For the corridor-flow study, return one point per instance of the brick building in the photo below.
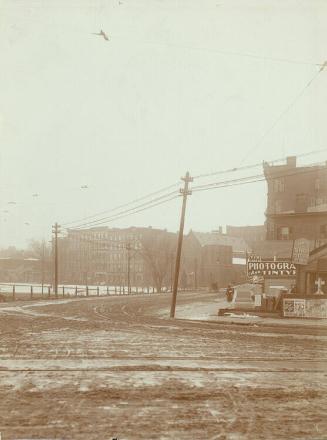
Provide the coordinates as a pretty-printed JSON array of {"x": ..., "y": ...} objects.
[
  {"x": 250, "y": 234},
  {"x": 296, "y": 202},
  {"x": 112, "y": 256},
  {"x": 209, "y": 258}
]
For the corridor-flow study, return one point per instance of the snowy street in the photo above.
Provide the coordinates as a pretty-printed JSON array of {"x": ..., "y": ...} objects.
[{"x": 99, "y": 368}]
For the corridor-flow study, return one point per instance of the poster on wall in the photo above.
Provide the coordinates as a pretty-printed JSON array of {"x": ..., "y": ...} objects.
[
  {"x": 316, "y": 308},
  {"x": 294, "y": 308},
  {"x": 301, "y": 251}
]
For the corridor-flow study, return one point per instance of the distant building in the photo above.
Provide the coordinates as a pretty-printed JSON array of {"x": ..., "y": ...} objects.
[
  {"x": 273, "y": 249},
  {"x": 212, "y": 258},
  {"x": 112, "y": 256},
  {"x": 297, "y": 202},
  {"x": 24, "y": 270},
  {"x": 250, "y": 234}
]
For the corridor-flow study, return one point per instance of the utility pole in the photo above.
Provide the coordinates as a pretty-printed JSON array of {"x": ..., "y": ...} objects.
[
  {"x": 186, "y": 192},
  {"x": 171, "y": 270},
  {"x": 128, "y": 248},
  {"x": 56, "y": 231}
]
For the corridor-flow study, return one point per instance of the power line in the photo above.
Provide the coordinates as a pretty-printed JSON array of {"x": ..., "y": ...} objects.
[
  {"x": 188, "y": 46},
  {"x": 95, "y": 222},
  {"x": 251, "y": 179},
  {"x": 206, "y": 187},
  {"x": 129, "y": 212},
  {"x": 225, "y": 52},
  {"x": 246, "y": 167},
  {"x": 283, "y": 113},
  {"x": 123, "y": 205},
  {"x": 151, "y": 203}
]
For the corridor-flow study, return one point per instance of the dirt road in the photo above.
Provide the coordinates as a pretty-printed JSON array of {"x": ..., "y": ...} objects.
[{"x": 103, "y": 368}]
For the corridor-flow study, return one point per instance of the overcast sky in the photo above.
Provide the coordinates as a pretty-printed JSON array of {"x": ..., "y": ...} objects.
[{"x": 180, "y": 85}]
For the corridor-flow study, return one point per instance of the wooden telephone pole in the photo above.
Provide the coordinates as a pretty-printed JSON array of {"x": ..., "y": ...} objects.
[
  {"x": 186, "y": 192},
  {"x": 128, "y": 248},
  {"x": 55, "y": 232}
]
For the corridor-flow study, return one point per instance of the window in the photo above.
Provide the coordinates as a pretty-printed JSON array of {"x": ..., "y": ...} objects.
[
  {"x": 323, "y": 231},
  {"x": 278, "y": 206},
  {"x": 284, "y": 233},
  {"x": 301, "y": 202},
  {"x": 317, "y": 184},
  {"x": 278, "y": 185}
]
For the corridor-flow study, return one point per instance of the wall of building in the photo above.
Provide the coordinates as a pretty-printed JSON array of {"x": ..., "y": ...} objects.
[
  {"x": 296, "y": 201},
  {"x": 312, "y": 226},
  {"x": 308, "y": 274},
  {"x": 250, "y": 234},
  {"x": 20, "y": 270},
  {"x": 206, "y": 265},
  {"x": 110, "y": 256}
]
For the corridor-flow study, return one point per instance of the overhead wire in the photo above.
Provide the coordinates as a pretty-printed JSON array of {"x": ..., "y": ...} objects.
[
  {"x": 221, "y": 51},
  {"x": 123, "y": 205},
  {"x": 95, "y": 12},
  {"x": 126, "y": 213},
  {"x": 246, "y": 167},
  {"x": 283, "y": 113},
  {"x": 166, "y": 197},
  {"x": 214, "y": 185},
  {"x": 253, "y": 179}
]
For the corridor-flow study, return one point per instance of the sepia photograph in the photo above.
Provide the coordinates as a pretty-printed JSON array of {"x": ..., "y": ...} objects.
[{"x": 163, "y": 220}]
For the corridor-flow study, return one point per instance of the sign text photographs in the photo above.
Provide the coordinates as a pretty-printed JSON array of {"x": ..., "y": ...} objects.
[{"x": 271, "y": 268}]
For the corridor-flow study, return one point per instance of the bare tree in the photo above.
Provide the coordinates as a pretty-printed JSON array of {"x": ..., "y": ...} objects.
[
  {"x": 12, "y": 252},
  {"x": 42, "y": 251},
  {"x": 157, "y": 251}
]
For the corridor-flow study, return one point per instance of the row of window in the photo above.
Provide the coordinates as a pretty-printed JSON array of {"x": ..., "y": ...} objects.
[
  {"x": 286, "y": 232},
  {"x": 108, "y": 236},
  {"x": 278, "y": 185},
  {"x": 113, "y": 268},
  {"x": 105, "y": 246},
  {"x": 302, "y": 202}
]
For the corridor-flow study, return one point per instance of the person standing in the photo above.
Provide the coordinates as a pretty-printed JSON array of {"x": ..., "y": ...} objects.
[{"x": 230, "y": 293}]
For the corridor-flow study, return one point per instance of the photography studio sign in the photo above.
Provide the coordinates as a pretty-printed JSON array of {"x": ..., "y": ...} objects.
[{"x": 271, "y": 268}]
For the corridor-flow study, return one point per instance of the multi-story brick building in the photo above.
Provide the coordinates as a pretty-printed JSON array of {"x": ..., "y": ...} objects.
[
  {"x": 146, "y": 257},
  {"x": 296, "y": 202},
  {"x": 115, "y": 256}
]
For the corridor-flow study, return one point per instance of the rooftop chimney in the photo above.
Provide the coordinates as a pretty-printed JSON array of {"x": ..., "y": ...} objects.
[{"x": 291, "y": 161}]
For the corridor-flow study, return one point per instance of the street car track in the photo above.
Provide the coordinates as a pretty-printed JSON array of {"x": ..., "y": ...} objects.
[
  {"x": 122, "y": 366},
  {"x": 141, "y": 319}
]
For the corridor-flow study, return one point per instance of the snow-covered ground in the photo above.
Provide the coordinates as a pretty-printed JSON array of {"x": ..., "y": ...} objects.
[{"x": 96, "y": 368}]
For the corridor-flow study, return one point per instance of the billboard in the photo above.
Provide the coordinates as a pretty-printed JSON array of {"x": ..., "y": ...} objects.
[{"x": 261, "y": 268}]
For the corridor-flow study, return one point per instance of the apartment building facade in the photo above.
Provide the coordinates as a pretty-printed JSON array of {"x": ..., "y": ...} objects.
[
  {"x": 296, "y": 202},
  {"x": 116, "y": 256}
]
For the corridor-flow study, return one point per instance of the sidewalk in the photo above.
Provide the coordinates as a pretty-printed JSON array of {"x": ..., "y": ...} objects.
[{"x": 208, "y": 311}]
